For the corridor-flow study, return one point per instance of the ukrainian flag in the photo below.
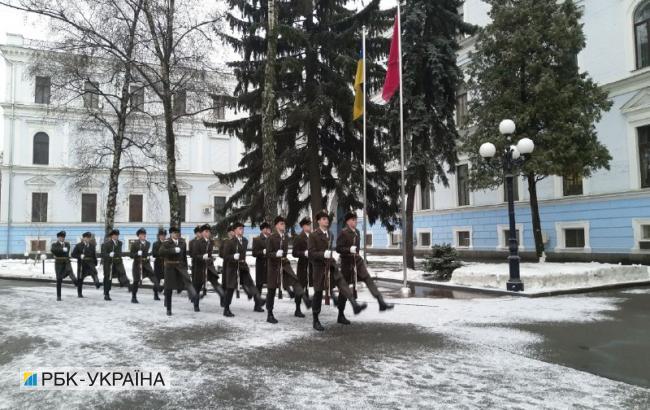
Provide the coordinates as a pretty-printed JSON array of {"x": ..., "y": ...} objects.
[{"x": 358, "y": 89}]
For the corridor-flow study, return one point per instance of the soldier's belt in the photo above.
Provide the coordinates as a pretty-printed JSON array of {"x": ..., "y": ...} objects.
[
  {"x": 172, "y": 262},
  {"x": 62, "y": 258}
]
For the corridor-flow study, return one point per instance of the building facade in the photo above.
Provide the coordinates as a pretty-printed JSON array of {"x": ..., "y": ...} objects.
[
  {"x": 605, "y": 217},
  {"x": 37, "y": 143}
]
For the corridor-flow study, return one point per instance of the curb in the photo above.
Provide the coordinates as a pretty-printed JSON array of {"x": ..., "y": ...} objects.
[{"x": 498, "y": 292}]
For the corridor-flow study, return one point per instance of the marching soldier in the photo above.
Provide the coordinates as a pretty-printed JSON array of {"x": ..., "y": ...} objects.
[
  {"x": 301, "y": 252},
  {"x": 231, "y": 234},
  {"x": 141, "y": 267},
  {"x": 279, "y": 271},
  {"x": 86, "y": 256},
  {"x": 174, "y": 250},
  {"x": 158, "y": 265},
  {"x": 61, "y": 251},
  {"x": 236, "y": 272},
  {"x": 259, "y": 252},
  {"x": 113, "y": 264},
  {"x": 353, "y": 267},
  {"x": 326, "y": 272},
  {"x": 203, "y": 265}
]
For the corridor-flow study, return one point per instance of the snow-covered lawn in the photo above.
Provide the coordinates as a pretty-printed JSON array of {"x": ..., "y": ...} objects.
[{"x": 426, "y": 353}]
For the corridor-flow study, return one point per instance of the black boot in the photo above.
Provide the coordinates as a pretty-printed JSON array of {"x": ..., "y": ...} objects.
[
  {"x": 79, "y": 291},
  {"x": 342, "y": 319},
  {"x": 270, "y": 318},
  {"x": 383, "y": 306},
  {"x": 134, "y": 298},
  {"x": 317, "y": 325},
  {"x": 168, "y": 301},
  {"x": 196, "y": 304},
  {"x": 155, "y": 296},
  {"x": 270, "y": 300},
  {"x": 107, "y": 297},
  {"x": 298, "y": 312},
  {"x": 227, "y": 312},
  {"x": 358, "y": 307}
]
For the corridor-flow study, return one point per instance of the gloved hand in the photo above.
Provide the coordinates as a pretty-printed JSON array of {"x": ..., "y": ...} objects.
[
  {"x": 236, "y": 256},
  {"x": 65, "y": 249},
  {"x": 177, "y": 249},
  {"x": 279, "y": 253},
  {"x": 353, "y": 249},
  {"x": 111, "y": 254},
  {"x": 139, "y": 253},
  {"x": 152, "y": 259},
  {"x": 335, "y": 255},
  {"x": 327, "y": 254},
  {"x": 205, "y": 256},
  {"x": 263, "y": 251},
  {"x": 306, "y": 254}
]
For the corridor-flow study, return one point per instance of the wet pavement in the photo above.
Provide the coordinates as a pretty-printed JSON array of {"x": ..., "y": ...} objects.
[{"x": 443, "y": 349}]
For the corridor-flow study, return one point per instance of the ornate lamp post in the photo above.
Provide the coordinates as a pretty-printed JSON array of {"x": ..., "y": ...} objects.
[{"x": 513, "y": 157}]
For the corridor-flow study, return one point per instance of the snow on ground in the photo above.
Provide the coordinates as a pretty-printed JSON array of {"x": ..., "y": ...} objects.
[{"x": 433, "y": 353}]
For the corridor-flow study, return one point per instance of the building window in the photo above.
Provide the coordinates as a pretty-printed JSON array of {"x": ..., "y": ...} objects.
[
  {"x": 506, "y": 238},
  {"x": 137, "y": 97},
  {"x": 219, "y": 203},
  {"x": 644, "y": 241},
  {"x": 461, "y": 109},
  {"x": 41, "y": 149},
  {"x": 515, "y": 190},
  {"x": 572, "y": 185},
  {"x": 39, "y": 206},
  {"x": 182, "y": 202},
  {"x": 88, "y": 207},
  {"x": 135, "y": 208},
  {"x": 424, "y": 239},
  {"x": 425, "y": 197},
  {"x": 641, "y": 32},
  {"x": 462, "y": 184},
  {"x": 463, "y": 239},
  {"x": 644, "y": 155},
  {"x": 42, "y": 90},
  {"x": 395, "y": 238},
  {"x": 219, "y": 107},
  {"x": 369, "y": 240},
  {"x": 91, "y": 94},
  {"x": 574, "y": 238},
  {"x": 180, "y": 103}
]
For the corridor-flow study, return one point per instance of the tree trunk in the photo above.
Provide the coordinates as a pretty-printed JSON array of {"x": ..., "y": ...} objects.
[
  {"x": 113, "y": 187},
  {"x": 269, "y": 171},
  {"x": 170, "y": 148},
  {"x": 311, "y": 124},
  {"x": 534, "y": 213},
  {"x": 407, "y": 229}
]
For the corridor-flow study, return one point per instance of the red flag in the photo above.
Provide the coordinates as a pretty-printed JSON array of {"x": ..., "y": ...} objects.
[{"x": 391, "y": 83}]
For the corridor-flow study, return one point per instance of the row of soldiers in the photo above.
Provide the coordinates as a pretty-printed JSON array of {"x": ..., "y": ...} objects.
[{"x": 318, "y": 266}]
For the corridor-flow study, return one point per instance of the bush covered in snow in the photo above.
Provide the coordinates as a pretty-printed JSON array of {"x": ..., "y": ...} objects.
[{"x": 441, "y": 262}]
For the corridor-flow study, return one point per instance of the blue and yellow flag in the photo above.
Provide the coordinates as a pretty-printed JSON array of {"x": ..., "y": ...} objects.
[{"x": 358, "y": 89}]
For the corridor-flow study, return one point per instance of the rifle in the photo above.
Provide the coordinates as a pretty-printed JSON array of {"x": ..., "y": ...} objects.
[
  {"x": 205, "y": 272},
  {"x": 141, "y": 266},
  {"x": 327, "y": 272},
  {"x": 354, "y": 284},
  {"x": 237, "y": 288},
  {"x": 280, "y": 273}
]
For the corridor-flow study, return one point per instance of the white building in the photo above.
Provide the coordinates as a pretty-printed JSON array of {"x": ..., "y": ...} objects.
[{"x": 37, "y": 145}]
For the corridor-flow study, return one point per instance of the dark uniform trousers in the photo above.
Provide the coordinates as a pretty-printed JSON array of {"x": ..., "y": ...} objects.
[
  {"x": 280, "y": 274},
  {"x": 237, "y": 271},
  {"x": 352, "y": 264},
  {"x": 319, "y": 242},
  {"x": 142, "y": 267},
  {"x": 62, "y": 265},
  {"x": 86, "y": 264},
  {"x": 176, "y": 276},
  {"x": 204, "y": 269},
  {"x": 259, "y": 245},
  {"x": 113, "y": 266},
  {"x": 304, "y": 268}
]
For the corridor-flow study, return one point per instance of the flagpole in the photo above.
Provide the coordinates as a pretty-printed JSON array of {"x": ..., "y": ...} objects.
[
  {"x": 365, "y": 210},
  {"x": 405, "y": 289}
]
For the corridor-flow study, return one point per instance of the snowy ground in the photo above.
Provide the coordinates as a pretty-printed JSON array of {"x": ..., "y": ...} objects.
[{"x": 433, "y": 353}]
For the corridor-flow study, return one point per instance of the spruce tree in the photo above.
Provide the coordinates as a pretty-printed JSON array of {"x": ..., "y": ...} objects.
[
  {"x": 431, "y": 77},
  {"x": 318, "y": 146},
  {"x": 526, "y": 68}
]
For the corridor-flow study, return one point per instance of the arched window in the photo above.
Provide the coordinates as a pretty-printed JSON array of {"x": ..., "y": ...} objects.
[
  {"x": 642, "y": 34},
  {"x": 41, "y": 149}
]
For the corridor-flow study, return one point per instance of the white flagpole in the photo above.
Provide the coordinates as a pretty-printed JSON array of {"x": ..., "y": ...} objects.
[
  {"x": 365, "y": 214},
  {"x": 405, "y": 289}
]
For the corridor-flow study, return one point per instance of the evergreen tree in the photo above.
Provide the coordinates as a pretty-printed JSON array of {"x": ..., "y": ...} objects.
[
  {"x": 317, "y": 145},
  {"x": 525, "y": 68},
  {"x": 431, "y": 77}
]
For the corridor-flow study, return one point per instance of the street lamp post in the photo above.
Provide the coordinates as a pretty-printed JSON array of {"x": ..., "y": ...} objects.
[{"x": 513, "y": 157}]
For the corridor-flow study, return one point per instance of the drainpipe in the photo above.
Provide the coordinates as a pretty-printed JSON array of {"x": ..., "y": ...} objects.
[{"x": 11, "y": 150}]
